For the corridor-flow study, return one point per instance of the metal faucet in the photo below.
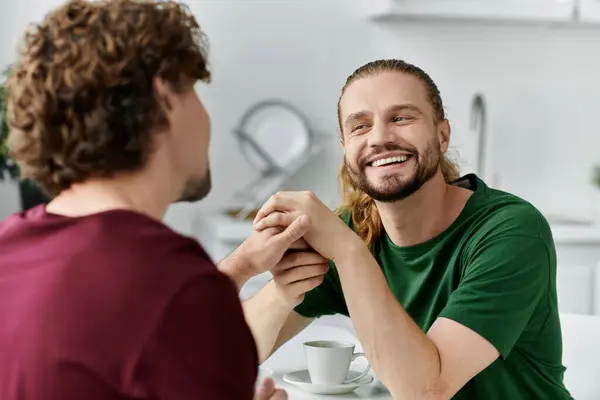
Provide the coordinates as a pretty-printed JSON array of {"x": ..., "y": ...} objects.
[{"x": 479, "y": 124}]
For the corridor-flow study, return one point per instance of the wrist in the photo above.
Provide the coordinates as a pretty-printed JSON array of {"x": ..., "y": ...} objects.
[
  {"x": 237, "y": 268},
  {"x": 350, "y": 248},
  {"x": 277, "y": 302}
]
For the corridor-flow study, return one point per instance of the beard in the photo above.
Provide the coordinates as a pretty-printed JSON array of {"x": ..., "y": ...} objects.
[
  {"x": 196, "y": 190},
  {"x": 392, "y": 187}
]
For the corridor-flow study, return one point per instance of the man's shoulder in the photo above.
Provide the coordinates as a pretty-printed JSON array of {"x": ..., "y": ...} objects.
[
  {"x": 144, "y": 251},
  {"x": 507, "y": 214},
  {"x": 137, "y": 237},
  {"x": 123, "y": 259}
]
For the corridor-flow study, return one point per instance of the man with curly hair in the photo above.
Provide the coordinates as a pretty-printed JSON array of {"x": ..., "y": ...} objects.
[{"x": 99, "y": 299}]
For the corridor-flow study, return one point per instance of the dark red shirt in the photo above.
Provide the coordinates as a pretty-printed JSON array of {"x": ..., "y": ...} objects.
[{"x": 116, "y": 306}]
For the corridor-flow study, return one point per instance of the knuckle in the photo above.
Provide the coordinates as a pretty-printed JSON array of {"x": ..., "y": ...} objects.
[
  {"x": 277, "y": 217},
  {"x": 308, "y": 220}
]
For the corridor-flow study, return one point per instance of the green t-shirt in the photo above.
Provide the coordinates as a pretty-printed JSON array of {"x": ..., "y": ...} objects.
[{"x": 494, "y": 271}]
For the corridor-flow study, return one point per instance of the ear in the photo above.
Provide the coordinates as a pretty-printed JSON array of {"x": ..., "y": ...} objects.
[
  {"x": 444, "y": 135},
  {"x": 164, "y": 94}
]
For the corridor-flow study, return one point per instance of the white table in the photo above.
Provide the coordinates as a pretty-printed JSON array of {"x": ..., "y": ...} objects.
[{"x": 290, "y": 358}]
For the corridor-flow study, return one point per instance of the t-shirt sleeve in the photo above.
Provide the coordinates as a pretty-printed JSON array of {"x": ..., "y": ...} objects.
[
  {"x": 203, "y": 348},
  {"x": 504, "y": 281},
  {"x": 325, "y": 299}
]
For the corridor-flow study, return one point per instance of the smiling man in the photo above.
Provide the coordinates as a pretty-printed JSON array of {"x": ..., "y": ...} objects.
[{"x": 450, "y": 284}]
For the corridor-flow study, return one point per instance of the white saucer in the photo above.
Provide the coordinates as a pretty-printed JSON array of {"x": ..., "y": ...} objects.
[{"x": 302, "y": 380}]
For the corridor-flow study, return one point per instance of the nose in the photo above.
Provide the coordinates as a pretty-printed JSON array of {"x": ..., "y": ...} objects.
[{"x": 380, "y": 135}]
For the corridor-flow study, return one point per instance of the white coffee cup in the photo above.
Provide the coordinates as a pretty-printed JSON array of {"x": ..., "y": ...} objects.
[{"x": 329, "y": 361}]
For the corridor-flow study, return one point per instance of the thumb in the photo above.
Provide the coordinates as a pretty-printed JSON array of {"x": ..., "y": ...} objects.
[
  {"x": 266, "y": 390},
  {"x": 294, "y": 231}
]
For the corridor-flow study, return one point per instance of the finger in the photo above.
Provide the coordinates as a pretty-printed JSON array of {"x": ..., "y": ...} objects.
[
  {"x": 300, "y": 244},
  {"x": 296, "y": 258},
  {"x": 299, "y": 288},
  {"x": 280, "y": 394},
  {"x": 293, "y": 232},
  {"x": 276, "y": 219},
  {"x": 277, "y": 202},
  {"x": 266, "y": 390},
  {"x": 301, "y": 273},
  {"x": 273, "y": 231}
]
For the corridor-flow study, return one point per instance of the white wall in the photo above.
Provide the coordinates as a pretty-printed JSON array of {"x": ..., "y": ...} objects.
[{"x": 541, "y": 84}]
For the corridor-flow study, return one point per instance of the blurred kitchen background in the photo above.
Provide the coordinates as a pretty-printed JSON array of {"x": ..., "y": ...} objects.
[{"x": 520, "y": 80}]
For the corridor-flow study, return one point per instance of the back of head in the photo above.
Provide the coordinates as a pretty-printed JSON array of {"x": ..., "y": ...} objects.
[
  {"x": 81, "y": 102},
  {"x": 362, "y": 207}
]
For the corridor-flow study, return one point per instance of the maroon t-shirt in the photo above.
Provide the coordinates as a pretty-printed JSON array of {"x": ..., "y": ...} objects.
[{"x": 116, "y": 306}]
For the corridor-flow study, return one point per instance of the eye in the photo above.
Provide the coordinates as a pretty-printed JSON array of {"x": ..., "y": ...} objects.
[
  {"x": 358, "y": 127},
  {"x": 401, "y": 119}
]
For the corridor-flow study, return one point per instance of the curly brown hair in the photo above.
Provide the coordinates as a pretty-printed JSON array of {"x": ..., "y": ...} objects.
[{"x": 81, "y": 100}]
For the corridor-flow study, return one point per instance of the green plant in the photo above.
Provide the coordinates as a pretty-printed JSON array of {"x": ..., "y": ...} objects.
[{"x": 596, "y": 176}]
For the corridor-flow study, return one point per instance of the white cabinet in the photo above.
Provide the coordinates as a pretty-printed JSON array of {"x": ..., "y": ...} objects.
[
  {"x": 510, "y": 10},
  {"x": 589, "y": 10}
]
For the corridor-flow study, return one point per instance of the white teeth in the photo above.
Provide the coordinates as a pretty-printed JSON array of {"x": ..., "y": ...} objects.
[{"x": 389, "y": 160}]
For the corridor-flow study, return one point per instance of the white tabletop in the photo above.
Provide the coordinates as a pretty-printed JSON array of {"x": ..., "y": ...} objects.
[{"x": 290, "y": 358}]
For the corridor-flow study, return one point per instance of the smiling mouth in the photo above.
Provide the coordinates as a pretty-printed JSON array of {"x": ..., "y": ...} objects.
[{"x": 389, "y": 161}]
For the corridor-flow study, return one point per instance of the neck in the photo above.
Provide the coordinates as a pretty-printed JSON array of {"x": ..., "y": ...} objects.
[
  {"x": 425, "y": 214},
  {"x": 149, "y": 192}
]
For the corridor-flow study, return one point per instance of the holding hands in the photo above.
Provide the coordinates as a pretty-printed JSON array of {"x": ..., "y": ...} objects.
[
  {"x": 326, "y": 233},
  {"x": 294, "y": 236},
  {"x": 264, "y": 249}
]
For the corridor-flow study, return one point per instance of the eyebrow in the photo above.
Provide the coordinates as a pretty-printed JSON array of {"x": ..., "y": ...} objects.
[
  {"x": 403, "y": 107},
  {"x": 391, "y": 109},
  {"x": 355, "y": 117}
]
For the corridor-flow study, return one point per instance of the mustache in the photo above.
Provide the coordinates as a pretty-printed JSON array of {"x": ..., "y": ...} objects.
[{"x": 362, "y": 161}]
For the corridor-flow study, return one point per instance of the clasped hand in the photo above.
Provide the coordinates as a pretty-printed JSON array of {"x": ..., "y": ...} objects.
[{"x": 324, "y": 231}]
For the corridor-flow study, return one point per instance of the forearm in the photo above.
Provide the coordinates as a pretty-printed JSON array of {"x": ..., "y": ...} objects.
[
  {"x": 405, "y": 359},
  {"x": 266, "y": 314}
]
